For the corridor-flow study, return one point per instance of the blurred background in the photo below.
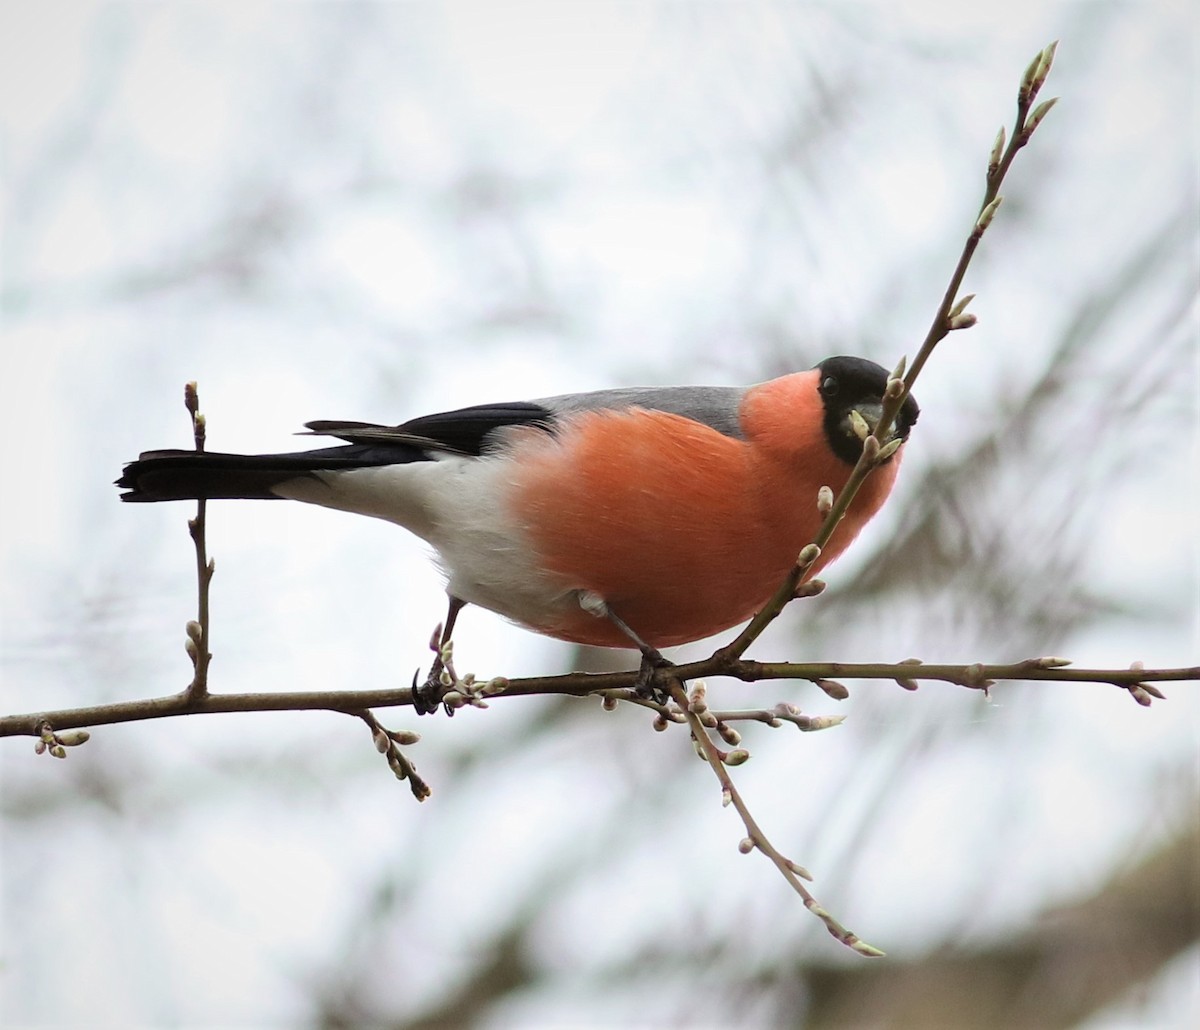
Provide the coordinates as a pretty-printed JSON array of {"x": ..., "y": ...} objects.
[{"x": 373, "y": 211}]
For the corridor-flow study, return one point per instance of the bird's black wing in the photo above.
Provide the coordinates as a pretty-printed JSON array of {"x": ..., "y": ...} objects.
[{"x": 469, "y": 431}]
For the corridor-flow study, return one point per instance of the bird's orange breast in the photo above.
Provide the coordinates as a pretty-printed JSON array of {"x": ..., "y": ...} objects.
[{"x": 683, "y": 531}]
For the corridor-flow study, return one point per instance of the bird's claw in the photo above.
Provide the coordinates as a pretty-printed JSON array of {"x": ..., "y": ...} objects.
[
  {"x": 428, "y": 695},
  {"x": 644, "y": 686}
]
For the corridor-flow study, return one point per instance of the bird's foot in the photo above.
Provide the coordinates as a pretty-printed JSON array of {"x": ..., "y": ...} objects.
[
  {"x": 428, "y": 695},
  {"x": 644, "y": 686}
]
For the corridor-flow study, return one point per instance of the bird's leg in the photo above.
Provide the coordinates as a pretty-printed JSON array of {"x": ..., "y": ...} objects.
[
  {"x": 652, "y": 658},
  {"x": 427, "y": 695}
]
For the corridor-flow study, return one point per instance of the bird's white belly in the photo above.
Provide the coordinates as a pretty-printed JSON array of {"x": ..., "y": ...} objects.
[{"x": 457, "y": 504}]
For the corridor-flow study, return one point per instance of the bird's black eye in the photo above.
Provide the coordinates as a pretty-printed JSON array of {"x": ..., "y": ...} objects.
[{"x": 829, "y": 386}]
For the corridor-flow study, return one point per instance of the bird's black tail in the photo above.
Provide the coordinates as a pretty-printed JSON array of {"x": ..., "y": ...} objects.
[{"x": 192, "y": 475}]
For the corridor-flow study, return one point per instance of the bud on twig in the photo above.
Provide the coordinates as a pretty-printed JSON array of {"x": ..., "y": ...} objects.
[
  {"x": 810, "y": 588},
  {"x": 822, "y": 722},
  {"x": 1035, "y": 75},
  {"x": 73, "y": 738},
  {"x": 799, "y": 870},
  {"x": 859, "y": 424},
  {"x": 729, "y": 734},
  {"x": 1051, "y": 662},
  {"x": 888, "y": 449},
  {"x": 745, "y": 845},
  {"x": 960, "y": 306},
  {"x": 986, "y": 216},
  {"x": 833, "y": 688},
  {"x": 808, "y": 555},
  {"x": 404, "y": 737},
  {"x": 824, "y": 500},
  {"x": 1045, "y": 63},
  {"x": 997, "y": 153},
  {"x": 1035, "y": 119}
]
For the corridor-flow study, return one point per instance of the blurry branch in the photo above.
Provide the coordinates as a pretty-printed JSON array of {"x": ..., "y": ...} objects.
[{"x": 1078, "y": 959}]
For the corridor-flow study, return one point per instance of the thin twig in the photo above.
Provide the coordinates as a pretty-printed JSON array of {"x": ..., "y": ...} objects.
[
  {"x": 950, "y": 315},
  {"x": 386, "y": 743},
  {"x": 198, "y": 630},
  {"x": 755, "y": 838}
]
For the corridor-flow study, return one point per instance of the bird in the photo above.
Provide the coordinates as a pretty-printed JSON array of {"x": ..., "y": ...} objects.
[{"x": 631, "y": 517}]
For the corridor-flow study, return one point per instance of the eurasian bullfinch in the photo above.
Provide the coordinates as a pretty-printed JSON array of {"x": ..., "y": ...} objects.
[{"x": 677, "y": 511}]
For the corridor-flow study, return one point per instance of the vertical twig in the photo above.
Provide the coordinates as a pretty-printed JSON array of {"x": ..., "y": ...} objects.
[{"x": 197, "y": 644}]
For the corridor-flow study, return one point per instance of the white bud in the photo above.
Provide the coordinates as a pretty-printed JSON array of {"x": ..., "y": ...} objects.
[
  {"x": 986, "y": 215},
  {"x": 808, "y": 555}
]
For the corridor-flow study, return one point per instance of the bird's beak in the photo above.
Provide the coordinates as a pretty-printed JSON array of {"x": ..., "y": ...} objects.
[{"x": 870, "y": 411}]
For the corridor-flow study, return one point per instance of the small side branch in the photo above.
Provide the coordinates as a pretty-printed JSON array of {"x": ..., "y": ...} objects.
[
  {"x": 698, "y": 716},
  {"x": 387, "y": 743},
  {"x": 197, "y": 630}
]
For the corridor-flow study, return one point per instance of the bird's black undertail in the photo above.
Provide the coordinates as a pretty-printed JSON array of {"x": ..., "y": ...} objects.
[{"x": 192, "y": 475}]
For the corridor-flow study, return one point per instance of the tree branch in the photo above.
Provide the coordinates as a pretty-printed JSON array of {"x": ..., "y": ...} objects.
[{"x": 976, "y": 675}]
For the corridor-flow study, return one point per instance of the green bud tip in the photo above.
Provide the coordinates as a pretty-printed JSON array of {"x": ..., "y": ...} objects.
[
  {"x": 961, "y": 305},
  {"x": 889, "y": 448},
  {"x": 987, "y": 214}
]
